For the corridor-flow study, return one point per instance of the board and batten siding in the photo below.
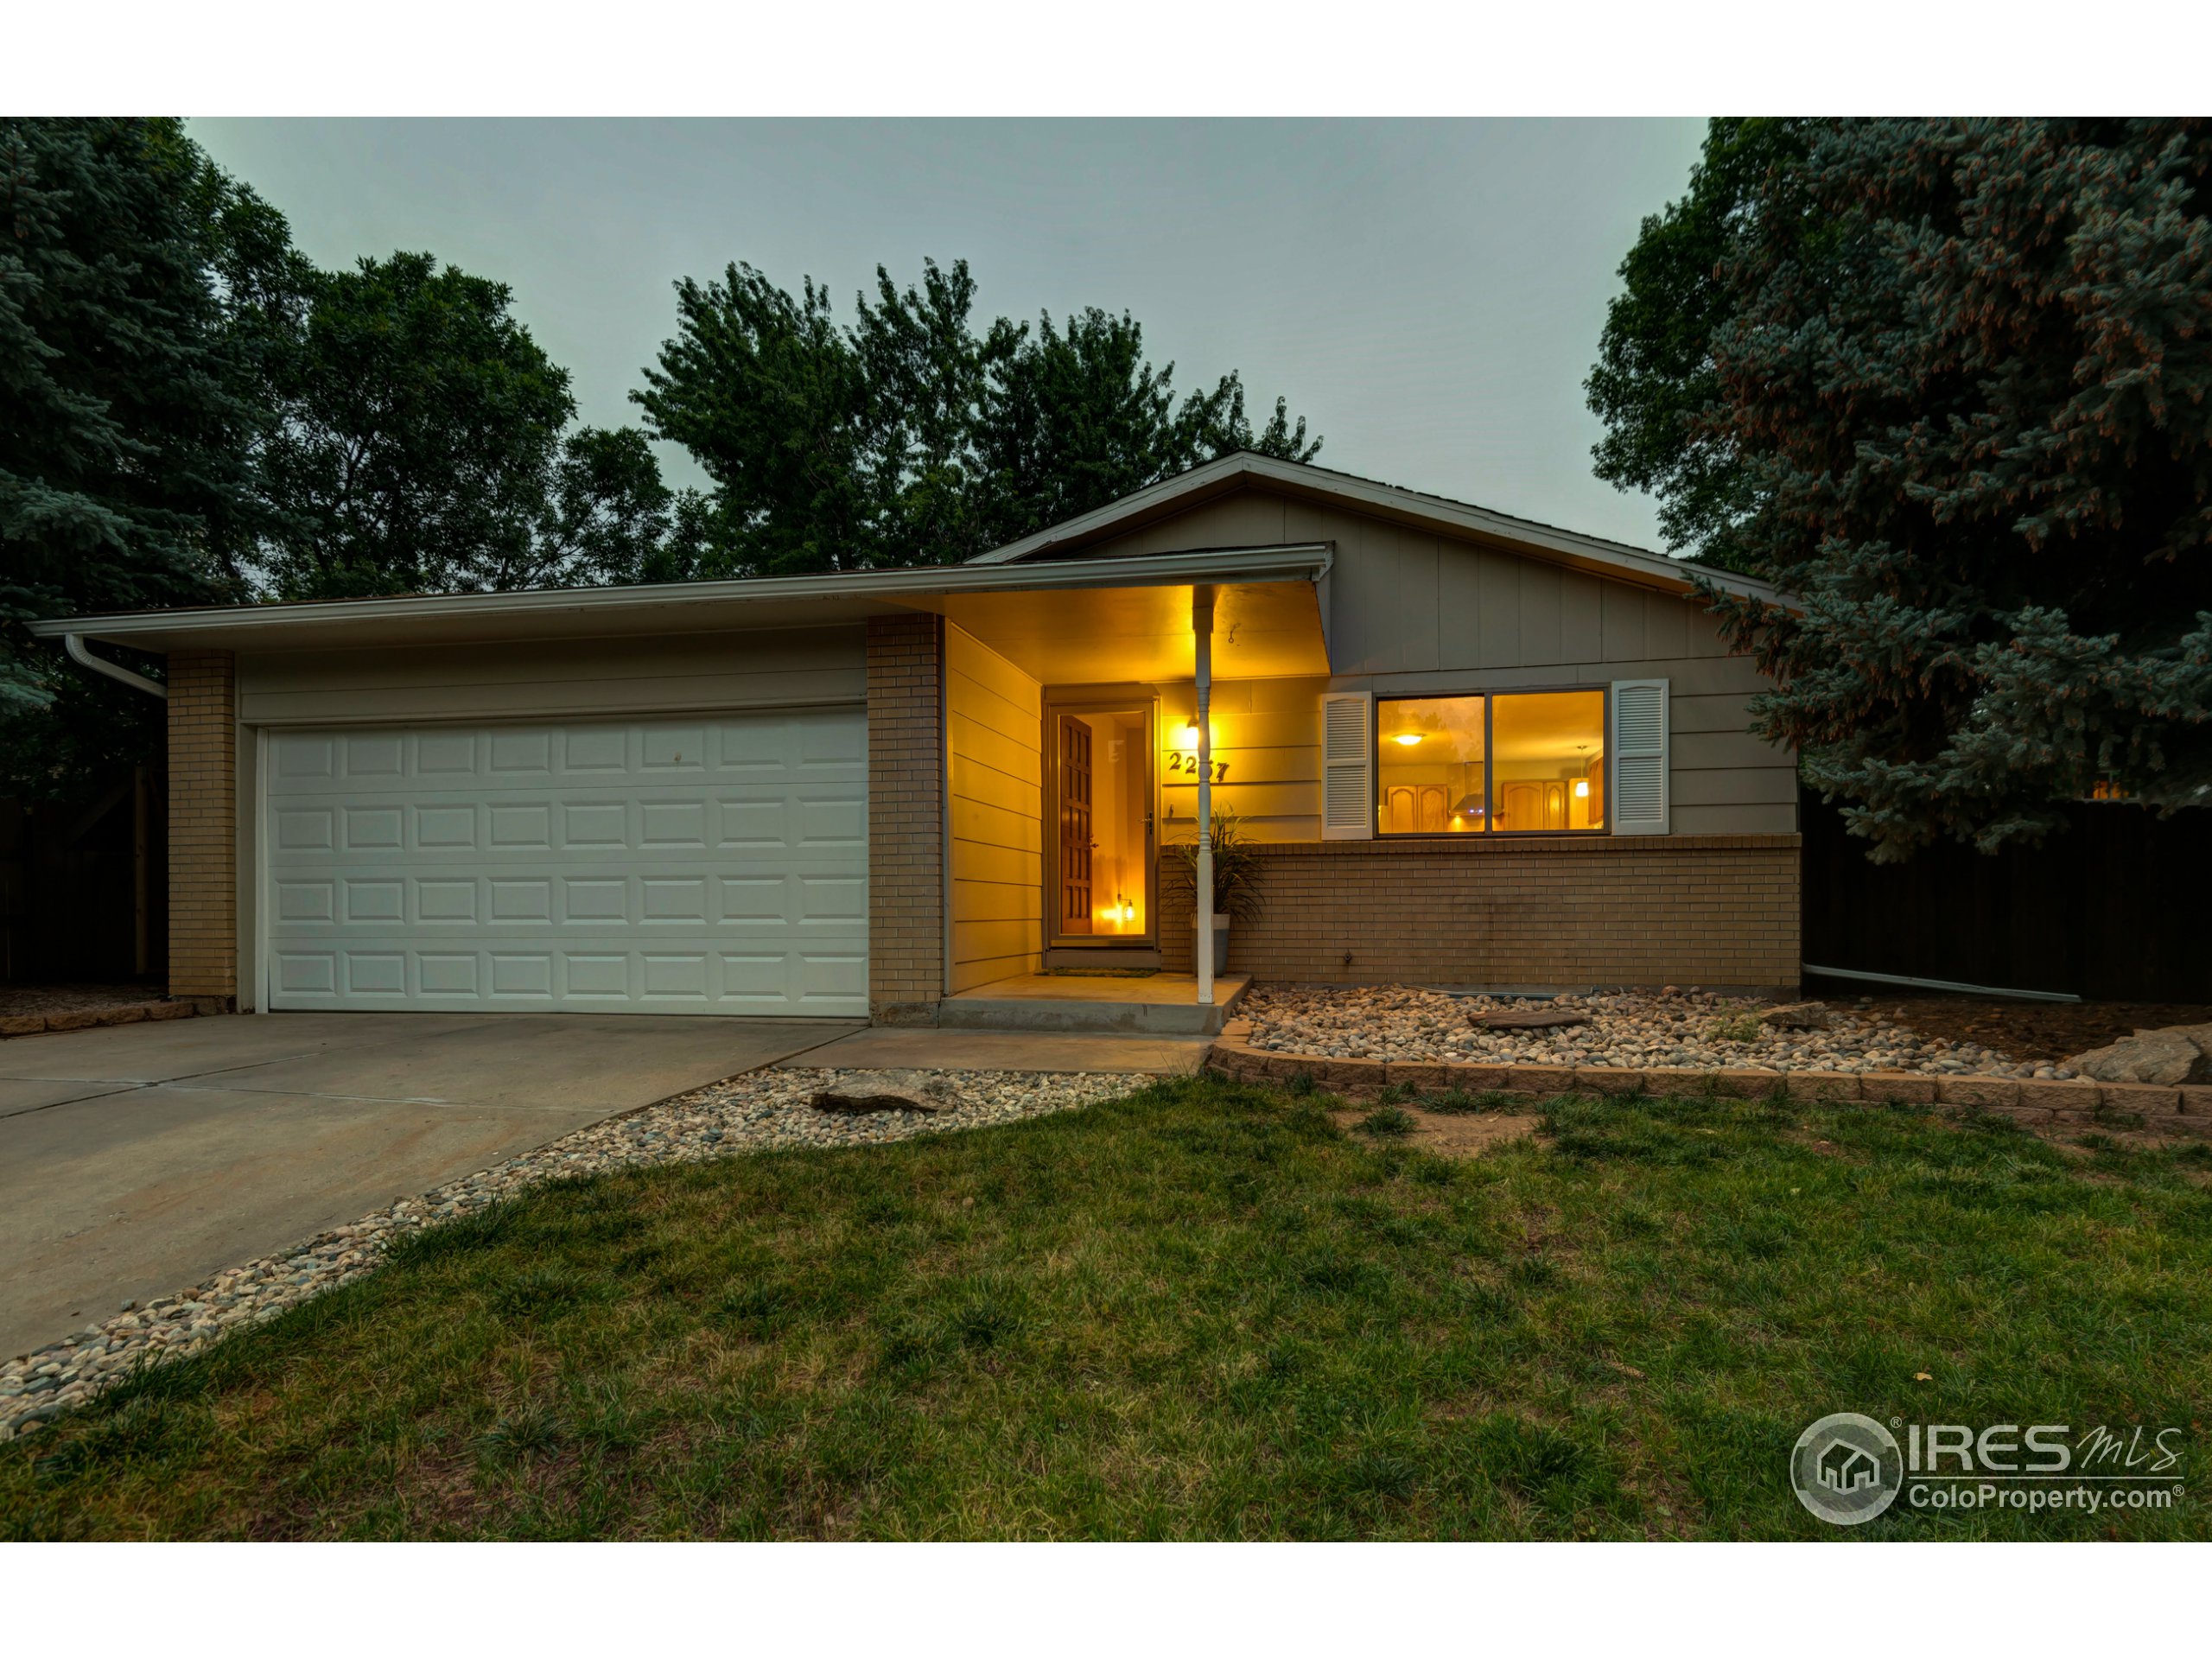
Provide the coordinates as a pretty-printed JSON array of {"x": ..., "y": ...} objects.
[
  {"x": 995, "y": 716},
  {"x": 1414, "y": 613}
]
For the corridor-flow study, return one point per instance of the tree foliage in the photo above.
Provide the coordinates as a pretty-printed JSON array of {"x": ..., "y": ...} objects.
[
  {"x": 911, "y": 436},
  {"x": 1656, "y": 385},
  {"x": 190, "y": 412},
  {"x": 418, "y": 442},
  {"x": 1953, "y": 398},
  {"x": 123, "y": 478}
]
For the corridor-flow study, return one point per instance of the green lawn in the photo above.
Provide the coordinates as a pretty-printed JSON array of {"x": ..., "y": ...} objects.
[{"x": 1203, "y": 1312}]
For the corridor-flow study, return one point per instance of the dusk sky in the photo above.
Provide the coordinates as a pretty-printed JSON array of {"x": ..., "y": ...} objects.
[{"x": 1427, "y": 293}]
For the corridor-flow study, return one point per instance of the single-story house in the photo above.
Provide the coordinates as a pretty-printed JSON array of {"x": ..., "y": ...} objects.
[{"x": 1473, "y": 750}]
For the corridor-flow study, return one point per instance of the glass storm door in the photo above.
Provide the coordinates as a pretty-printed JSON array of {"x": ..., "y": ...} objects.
[{"x": 1100, "y": 889}]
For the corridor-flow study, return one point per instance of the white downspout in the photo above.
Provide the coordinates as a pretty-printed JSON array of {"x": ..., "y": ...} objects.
[
  {"x": 1202, "y": 639},
  {"x": 74, "y": 645}
]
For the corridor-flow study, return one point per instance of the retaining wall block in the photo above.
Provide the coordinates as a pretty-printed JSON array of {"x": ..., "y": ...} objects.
[
  {"x": 1477, "y": 1079},
  {"x": 1540, "y": 1079},
  {"x": 1679, "y": 1080},
  {"x": 1903, "y": 1088},
  {"x": 1608, "y": 1080},
  {"x": 2146, "y": 1099},
  {"x": 1809, "y": 1086},
  {"x": 2060, "y": 1097},
  {"x": 1747, "y": 1084},
  {"x": 1429, "y": 1077}
]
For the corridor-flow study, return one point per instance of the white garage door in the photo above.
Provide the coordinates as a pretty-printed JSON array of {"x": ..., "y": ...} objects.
[{"x": 710, "y": 864}]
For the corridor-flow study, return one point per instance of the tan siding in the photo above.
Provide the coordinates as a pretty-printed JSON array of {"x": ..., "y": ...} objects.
[
  {"x": 1249, "y": 519},
  {"x": 1780, "y": 819},
  {"x": 559, "y": 678},
  {"x": 996, "y": 722},
  {"x": 1413, "y": 613},
  {"x": 1268, "y": 733}
]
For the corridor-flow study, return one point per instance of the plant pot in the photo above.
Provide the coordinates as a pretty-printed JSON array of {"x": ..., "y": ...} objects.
[{"x": 1220, "y": 943}]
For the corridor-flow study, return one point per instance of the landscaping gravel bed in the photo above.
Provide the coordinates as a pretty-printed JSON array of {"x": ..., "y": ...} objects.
[
  {"x": 751, "y": 1113},
  {"x": 1690, "y": 1028}
]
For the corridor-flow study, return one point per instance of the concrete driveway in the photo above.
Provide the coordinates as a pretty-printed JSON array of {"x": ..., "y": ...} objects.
[{"x": 138, "y": 1160}]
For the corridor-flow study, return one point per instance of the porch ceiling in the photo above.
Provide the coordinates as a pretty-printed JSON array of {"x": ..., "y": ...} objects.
[{"x": 1262, "y": 629}]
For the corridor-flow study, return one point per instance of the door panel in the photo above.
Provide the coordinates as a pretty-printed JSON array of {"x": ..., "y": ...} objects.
[{"x": 713, "y": 864}]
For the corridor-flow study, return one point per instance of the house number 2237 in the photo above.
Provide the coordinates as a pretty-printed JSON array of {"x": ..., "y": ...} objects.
[{"x": 1189, "y": 763}]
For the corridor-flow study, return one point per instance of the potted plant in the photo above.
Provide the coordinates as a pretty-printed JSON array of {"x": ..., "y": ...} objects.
[{"x": 1236, "y": 879}]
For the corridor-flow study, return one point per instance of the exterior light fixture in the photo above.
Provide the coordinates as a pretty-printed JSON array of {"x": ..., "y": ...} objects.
[{"x": 1188, "y": 742}]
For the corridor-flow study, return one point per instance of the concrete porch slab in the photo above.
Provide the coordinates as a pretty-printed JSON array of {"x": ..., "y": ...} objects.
[
  {"x": 922, "y": 1049},
  {"x": 1158, "y": 1004}
]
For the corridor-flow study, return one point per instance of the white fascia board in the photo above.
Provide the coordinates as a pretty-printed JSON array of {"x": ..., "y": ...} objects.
[
  {"x": 866, "y": 590},
  {"x": 1632, "y": 562}
]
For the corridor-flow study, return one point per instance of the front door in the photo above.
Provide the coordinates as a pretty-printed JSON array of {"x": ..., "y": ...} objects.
[{"x": 1101, "y": 889}]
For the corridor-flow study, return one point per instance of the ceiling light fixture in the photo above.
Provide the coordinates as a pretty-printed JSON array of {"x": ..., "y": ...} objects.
[{"x": 1407, "y": 738}]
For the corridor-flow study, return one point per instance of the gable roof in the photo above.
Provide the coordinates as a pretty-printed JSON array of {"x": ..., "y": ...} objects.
[{"x": 1244, "y": 469}]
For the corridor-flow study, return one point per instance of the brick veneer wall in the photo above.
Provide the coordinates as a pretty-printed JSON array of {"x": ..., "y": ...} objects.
[
  {"x": 1714, "y": 910},
  {"x": 203, "y": 766},
  {"x": 906, "y": 818}
]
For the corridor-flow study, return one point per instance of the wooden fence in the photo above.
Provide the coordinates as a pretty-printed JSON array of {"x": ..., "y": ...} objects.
[
  {"x": 2118, "y": 907},
  {"x": 84, "y": 885}
]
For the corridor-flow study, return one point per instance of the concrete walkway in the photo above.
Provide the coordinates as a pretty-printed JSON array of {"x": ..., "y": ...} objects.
[
  {"x": 904, "y": 1048},
  {"x": 139, "y": 1158},
  {"x": 1156, "y": 1004}
]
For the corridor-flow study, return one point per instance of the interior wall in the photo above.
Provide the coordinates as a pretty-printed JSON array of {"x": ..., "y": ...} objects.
[{"x": 994, "y": 713}]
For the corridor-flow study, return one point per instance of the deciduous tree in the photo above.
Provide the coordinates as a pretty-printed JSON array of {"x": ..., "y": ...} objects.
[{"x": 912, "y": 436}]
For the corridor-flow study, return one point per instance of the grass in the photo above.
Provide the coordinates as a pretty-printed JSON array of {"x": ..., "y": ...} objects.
[{"x": 1201, "y": 1312}]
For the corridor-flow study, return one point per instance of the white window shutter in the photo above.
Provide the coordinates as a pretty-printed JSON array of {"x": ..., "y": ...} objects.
[
  {"x": 1636, "y": 766},
  {"x": 1347, "y": 766}
]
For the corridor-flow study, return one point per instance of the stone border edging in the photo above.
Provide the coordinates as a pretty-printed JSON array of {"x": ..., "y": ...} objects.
[
  {"x": 122, "y": 1014},
  {"x": 2185, "y": 1109}
]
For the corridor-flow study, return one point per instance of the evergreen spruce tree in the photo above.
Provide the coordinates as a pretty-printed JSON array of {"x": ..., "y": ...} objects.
[
  {"x": 126, "y": 416},
  {"x": 1955, "y": 375}
]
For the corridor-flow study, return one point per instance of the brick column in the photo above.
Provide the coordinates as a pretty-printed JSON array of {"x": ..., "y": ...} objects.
[
  {"x": 203, "y": 826},
  {"x": 905, "y": 819}
]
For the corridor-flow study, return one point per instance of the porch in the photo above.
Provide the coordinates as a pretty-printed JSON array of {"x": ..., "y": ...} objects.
[{"x": 1154, "y": 1004}]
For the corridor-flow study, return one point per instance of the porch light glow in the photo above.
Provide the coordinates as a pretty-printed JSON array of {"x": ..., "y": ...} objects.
[{"x": 1187, "y": 739}]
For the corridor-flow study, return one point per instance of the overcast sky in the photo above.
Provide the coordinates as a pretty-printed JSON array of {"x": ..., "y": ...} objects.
[{"x": 1427, "y": 293}]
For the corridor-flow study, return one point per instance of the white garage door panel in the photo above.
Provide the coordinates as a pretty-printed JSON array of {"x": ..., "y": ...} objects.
[{"x": 705, "y": 865}]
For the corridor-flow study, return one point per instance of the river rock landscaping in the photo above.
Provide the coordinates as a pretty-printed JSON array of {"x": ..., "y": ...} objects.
[
  {"x": 1690, "y": 1029},
  {"x": 754, "y": 1112}
]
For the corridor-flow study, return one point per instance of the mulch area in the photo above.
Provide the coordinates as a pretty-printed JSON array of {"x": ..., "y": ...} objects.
[
  {"x": 2031, "y": 1030},
  {"x": 67, "y": 998}
]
